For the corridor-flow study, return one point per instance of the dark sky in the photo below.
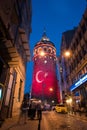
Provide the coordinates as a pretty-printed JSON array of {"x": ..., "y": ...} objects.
[{"x": 56, "y": 16}]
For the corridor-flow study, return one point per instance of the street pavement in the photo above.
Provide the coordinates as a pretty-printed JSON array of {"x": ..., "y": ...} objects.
[
  {"x": 82, "y": 116},
  {"x": 12, "y": 123}
]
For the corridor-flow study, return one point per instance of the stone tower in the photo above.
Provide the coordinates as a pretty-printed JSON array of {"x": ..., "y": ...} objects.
[{"x": 44, "y": 82}]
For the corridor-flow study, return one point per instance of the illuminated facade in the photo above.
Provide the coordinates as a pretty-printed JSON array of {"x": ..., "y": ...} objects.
[
  {"x": 45, "y": 83},
  {"x": 76, "y": 66}
]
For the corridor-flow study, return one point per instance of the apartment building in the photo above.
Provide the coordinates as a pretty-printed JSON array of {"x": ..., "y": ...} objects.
[
  {"x": 15, "y": 29},
  {"x": 76, "y": 65}
]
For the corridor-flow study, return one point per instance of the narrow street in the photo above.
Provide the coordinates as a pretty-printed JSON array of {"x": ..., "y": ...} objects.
[
  {"x": 50, "y": 121},
  {"x": 55, "y": 121}
]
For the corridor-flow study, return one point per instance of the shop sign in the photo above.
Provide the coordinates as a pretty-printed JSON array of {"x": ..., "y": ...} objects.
[{"x": 79, "y": 82}]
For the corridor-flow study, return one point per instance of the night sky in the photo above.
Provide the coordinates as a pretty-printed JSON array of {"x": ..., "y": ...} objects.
[{"x": 56, "y": 17}]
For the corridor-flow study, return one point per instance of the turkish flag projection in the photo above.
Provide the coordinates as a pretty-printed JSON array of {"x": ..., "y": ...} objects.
[{"x": 44, "y": 82}]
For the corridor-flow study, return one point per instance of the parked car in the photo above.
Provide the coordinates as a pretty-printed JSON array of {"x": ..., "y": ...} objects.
[{"x": 61, "y": 108}]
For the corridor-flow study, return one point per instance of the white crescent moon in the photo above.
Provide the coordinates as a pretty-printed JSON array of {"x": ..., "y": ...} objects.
[{"x": 37, "y": 74}]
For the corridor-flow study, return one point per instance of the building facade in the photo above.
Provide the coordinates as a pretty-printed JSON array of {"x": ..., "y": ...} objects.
[
  {"x": 15, "y": 28},
  {"x": 77, "y": 64},
  {"x": 45, "y": 83},
  {"x": 63, "y": 62}
]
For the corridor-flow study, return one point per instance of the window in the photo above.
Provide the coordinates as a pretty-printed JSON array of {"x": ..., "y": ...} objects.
[
  {"x": 86, "y": 68},
  {"x": 1, "y": 67},
  {"x": 80, "y": 35},
  {"x": 83, "y": 28},
  {"x": 79, "y": 74},
  {"x": 19, "y": 92},
  {"x": 45, "y": 49},
  {"x": 77, "y": 42}
]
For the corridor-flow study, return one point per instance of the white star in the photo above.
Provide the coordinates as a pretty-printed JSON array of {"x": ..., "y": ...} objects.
[{"x": 46, "y": 74}]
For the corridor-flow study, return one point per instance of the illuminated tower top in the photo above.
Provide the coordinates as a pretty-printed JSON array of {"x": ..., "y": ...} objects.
[{"x": 45, "y": 48}]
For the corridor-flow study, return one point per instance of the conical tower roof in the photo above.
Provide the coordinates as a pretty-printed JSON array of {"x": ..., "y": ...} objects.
[
  {"x": 44, "y": 37},
  {"x": 44, "y": 40}
]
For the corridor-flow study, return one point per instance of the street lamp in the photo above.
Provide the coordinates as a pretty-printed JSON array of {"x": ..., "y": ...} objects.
[
  {"x": 67, "y": 54},
  {"x": 51, "y": 89},
  {"x": 62, "y": 73},
  {"x": 69, "y": 103}
]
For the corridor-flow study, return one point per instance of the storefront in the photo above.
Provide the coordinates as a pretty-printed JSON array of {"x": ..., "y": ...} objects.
[
  {"x": 79, "y": 91},
  {"x": 1, "y": 94}
]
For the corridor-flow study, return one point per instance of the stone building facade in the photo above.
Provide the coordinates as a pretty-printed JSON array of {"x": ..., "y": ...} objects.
[{"x": 15, "y": 29}]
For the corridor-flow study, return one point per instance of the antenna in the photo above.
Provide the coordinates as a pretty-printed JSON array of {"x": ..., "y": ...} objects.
[{"x": 44, "y": 30}]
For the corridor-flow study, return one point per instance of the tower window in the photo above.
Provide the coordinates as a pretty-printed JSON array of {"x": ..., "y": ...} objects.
[{"x": 45, "y": 49}]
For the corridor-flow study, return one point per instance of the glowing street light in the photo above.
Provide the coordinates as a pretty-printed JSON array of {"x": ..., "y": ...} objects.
[
  {"x": 67, "y": 53},
  {"x": 51, "y": 89},
  {"x": 69, "y": 101},
  {"x": 62, "y": 60}
]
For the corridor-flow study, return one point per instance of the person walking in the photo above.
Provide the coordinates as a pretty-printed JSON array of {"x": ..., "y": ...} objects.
[
  {"x": 33, "y": 110},
  {"x": 24, "y": 111},
  {"x": 39, "y": 111}
]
